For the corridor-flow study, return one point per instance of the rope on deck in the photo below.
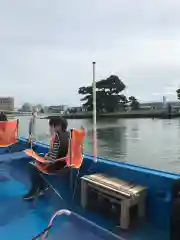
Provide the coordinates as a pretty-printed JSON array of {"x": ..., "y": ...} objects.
[
  {"x": 59, "y": 212},
  {"x": 46, "y": 230}
]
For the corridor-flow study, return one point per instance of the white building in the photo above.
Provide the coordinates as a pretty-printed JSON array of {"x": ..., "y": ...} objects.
[{"x": 6, "y": 104}]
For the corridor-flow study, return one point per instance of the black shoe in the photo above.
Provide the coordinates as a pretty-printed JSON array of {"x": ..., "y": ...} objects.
[
  {"x": 42, "y": 190},
  {"x": 31, "y": 194}
]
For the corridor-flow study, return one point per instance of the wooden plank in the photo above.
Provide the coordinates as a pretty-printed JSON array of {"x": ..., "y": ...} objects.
[
  {"x": 113, "y": 191},
  {"x": 107, "y": 180},
  {"x": 109, "y": 191},
  {"x": 114, "y": 183},
  {"x": 125, "y": 193}
]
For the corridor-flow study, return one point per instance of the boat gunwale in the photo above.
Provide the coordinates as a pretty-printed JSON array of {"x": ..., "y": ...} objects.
[{"x": 119, "y": 164}]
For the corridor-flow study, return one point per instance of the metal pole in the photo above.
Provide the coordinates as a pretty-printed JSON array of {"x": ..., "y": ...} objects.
[
  {"x": 94, "y": 114},
  {"x": 71, "y": 170}
]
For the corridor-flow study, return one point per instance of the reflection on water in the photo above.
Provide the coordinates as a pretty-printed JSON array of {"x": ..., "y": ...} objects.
[
  {"x": 134, "y": 132},
  {"x": 112, "y": 141},
  {"x": 153, "y": 143},
  {"x": 110, "y": 136}
]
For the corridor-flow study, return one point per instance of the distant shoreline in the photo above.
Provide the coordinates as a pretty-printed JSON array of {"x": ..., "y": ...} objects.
[{"x": 130, "y": 114}]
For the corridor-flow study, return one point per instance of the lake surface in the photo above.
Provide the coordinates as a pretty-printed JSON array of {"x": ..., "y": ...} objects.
[{"x": 146, "y": 142}]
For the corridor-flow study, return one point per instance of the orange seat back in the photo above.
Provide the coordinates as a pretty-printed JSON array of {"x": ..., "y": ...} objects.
[
  {"x": 74, "y": 157},
  {"x": 75, "y": 153},
  {"x": 8, "y": 132},
  {"x": 52, "y": 140}
]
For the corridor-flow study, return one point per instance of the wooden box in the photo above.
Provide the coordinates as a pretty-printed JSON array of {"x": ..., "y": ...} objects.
[{"x": 126, "y": 194}]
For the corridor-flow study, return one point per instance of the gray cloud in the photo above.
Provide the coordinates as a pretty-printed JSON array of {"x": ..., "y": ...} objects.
[{"x": 46, "y": 47}]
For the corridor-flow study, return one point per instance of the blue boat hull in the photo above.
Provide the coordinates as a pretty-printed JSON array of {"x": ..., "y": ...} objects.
[{"x": 158, "y": 183}]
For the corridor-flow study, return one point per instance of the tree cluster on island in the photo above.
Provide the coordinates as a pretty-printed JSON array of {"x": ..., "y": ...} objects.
[
  {"x": 108, "y": 96},
  {"x": 27, "y": 107}
]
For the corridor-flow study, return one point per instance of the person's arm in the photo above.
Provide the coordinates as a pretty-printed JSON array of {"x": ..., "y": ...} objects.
[{"x": 53, "y": 153}]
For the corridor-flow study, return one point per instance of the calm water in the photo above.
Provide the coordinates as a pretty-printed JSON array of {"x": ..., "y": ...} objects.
[{"x": 147, "y": 142}]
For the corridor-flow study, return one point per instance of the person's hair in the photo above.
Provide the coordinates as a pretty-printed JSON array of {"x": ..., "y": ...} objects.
[{"x": 58, "y": 121}]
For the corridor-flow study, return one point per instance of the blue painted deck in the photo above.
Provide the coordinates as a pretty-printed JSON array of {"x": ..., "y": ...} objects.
[{"x": 21, "y": 219}]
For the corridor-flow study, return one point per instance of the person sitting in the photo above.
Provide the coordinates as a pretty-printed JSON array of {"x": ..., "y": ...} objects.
[
  {"x": 59, "y": 150},
  {"x": 3, "y": 117}
]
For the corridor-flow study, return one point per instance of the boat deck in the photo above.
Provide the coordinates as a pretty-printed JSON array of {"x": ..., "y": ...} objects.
[{"x": 20, "y": 220}]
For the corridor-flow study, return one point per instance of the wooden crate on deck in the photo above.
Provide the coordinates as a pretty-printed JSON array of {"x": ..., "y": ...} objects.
[{"x": 127, "y": 194}]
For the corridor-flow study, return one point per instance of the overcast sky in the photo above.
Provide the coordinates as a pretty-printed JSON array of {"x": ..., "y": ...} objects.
[{"x": 47, "y": 46}]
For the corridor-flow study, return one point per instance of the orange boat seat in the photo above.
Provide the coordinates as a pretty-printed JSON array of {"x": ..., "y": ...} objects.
[
  {"x": 8, "y": 133},
  {"x": 73, "y": 159}
]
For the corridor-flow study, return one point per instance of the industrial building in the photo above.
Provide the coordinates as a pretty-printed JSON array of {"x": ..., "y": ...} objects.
[{"x": 6, "y": 104}]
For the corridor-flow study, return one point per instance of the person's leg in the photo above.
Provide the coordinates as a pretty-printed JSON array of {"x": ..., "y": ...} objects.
[
  {"x": 37, "y": 183},
  {"x": 59, "y": 165}
]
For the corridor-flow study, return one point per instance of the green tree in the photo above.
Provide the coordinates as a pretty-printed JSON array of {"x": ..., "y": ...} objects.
[
  {"x": 41, "y": 110},
  {"x": 178, "y": 93},
  {"x": 134, "y": 104},
  {"x": 26, "y": 107},
  {"x": 108, "y": 96}
]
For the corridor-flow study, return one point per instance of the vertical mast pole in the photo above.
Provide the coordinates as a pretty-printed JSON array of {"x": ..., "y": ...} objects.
[{"x": 94, "y": 113}]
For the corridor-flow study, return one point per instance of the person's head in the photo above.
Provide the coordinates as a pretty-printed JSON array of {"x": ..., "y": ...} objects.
[{"x": 58, "y": 124}]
